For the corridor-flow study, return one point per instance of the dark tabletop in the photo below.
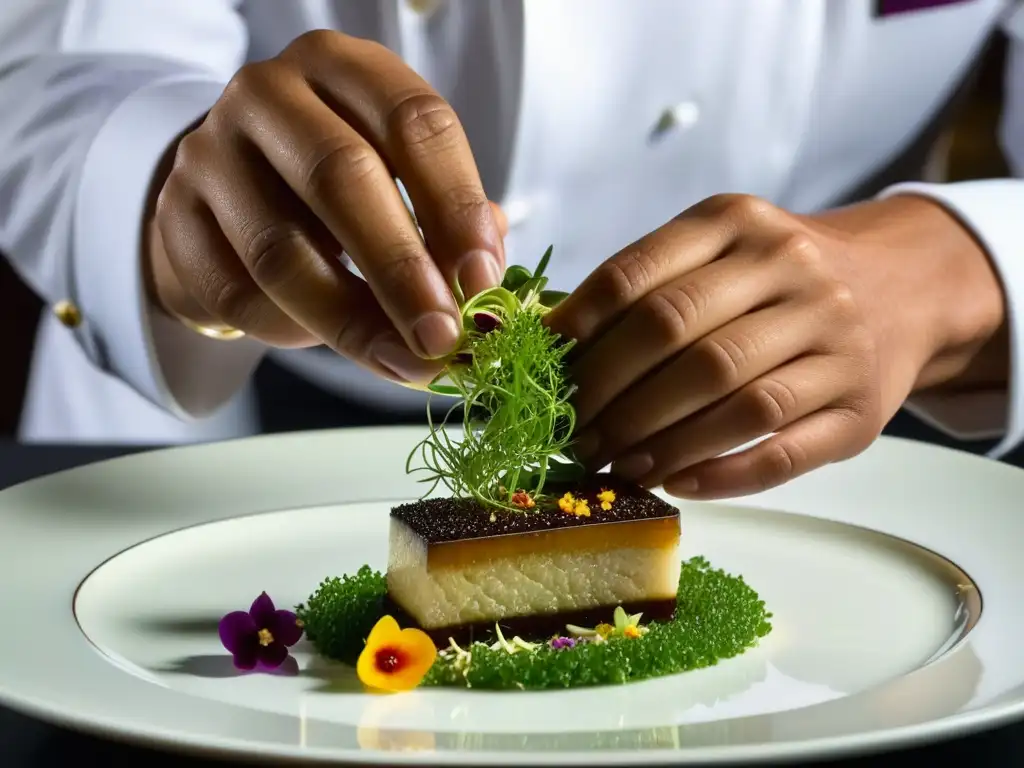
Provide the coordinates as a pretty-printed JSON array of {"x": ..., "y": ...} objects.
[{"x": 26, "y": 742}]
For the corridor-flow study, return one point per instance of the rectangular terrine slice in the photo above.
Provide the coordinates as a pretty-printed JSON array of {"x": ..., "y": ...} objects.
[{"x": 455, "y": 568}]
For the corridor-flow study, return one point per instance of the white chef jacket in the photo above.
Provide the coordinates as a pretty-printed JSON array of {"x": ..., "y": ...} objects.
[{"x": 593, "y": 123}]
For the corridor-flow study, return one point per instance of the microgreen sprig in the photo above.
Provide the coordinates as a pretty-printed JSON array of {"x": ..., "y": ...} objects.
[{"x": 510, "y": 380}]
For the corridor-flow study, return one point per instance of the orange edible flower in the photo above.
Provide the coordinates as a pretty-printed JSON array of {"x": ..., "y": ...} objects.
[
  {"x": 523, "y": 500},
  {"x": 631, "y": 631},
  {"x": 582, "y": 508},
  {"x": 395, "y": 659}
]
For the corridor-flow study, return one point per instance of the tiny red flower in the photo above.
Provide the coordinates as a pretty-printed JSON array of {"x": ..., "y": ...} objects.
[{"x": 486, "y": 321}]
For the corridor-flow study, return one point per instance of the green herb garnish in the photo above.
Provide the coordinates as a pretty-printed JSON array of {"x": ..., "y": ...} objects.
[
  {"x": 510, "y": 378},
  {"x": 718, "y": 616},
  {"x": 338, "y": 617}
]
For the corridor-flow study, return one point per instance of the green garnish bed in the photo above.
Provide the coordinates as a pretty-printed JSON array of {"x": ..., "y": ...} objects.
[{"x": 719, "y": 616}]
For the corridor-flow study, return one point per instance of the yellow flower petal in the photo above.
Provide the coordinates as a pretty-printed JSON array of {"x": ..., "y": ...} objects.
[
  {"x": 384, "y": 630},
  {"x": 395, "y": 659}
]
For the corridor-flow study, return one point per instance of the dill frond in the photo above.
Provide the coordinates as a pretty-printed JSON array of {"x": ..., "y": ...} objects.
[{"x": 512, "y": 388}]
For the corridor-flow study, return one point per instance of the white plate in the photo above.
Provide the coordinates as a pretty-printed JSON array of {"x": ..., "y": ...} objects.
[{"x": 114, "y": 576}]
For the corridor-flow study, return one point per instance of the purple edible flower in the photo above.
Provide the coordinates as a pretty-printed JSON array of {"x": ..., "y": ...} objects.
[
  {"x": 486, "y": 321},
  {"x": 260, "y": 636},
  {"x": 563, "y": 642}
]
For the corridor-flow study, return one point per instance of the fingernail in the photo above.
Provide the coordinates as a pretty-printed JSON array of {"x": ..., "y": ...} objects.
[
  {"x": 478, "y": 271},
  {"x": 585, "y": 446},
  {"x": 436, "y": 333},
  {"x": 392, "y": 353},
  {"x": 633, "y": 467}
]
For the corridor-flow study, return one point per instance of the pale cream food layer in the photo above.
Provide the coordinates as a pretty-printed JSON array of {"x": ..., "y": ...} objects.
[{"x": 451, "y": 584}]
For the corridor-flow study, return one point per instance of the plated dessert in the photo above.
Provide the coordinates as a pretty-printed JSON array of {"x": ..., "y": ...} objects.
[
  {"x": 525, "y": 572},
  {"x": 456, "y": 569}
]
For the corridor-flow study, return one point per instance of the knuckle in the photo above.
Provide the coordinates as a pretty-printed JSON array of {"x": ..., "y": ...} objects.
[
  {"x": 626, "y": 276},
  {"x": 167, "y": 200},
  {"x": 779, "y": 464},
  {"x": 315, "y": 41},
  {"x": 252, "y": 89},
  {"x": 468, "y": 203},
  {"x": 348, "y": 338},
  {"x": 801, "y": 249},
  {"x": 864, "y": 422},
  {"x": 770, "y": 404},
  {"x": 268, "y": 253},
  {"x": 177, "y": 197},
  {"x": 745, "y": 209},
  {"x": 403, "y": 265},
  {"x": 237, "y": 305},
  {"x": 334, "y": 163},
  {"x": 193, "y": 152},
  {"x": 248, "y": 79},
  {"x": 842, "y": 300},
  {"x": 719, "y": 361},
  {"x": 422, "y": 121},
  {"x": 670, "y": 313}
]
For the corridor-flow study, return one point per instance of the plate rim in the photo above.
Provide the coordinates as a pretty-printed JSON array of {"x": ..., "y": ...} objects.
[{"x": 169, "y": 738}]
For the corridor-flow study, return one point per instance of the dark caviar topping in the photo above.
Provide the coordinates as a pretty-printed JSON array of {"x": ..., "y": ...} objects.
[{"x": 443, "y": 520}]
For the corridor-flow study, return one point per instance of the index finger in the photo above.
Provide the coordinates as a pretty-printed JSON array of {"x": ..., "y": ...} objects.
[
  {"x": 689, "y": 241},
  {"x": 420, "y": 137}
]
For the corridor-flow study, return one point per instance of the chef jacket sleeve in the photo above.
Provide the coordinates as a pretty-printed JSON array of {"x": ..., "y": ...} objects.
[
  {"x": 993, "y": 210},
  {"x": 92, "y": 93}
]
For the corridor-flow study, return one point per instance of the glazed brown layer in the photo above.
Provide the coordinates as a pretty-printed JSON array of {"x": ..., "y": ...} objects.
[
  {"x": 440, "y": 521},
  {"x": 534, "y": 628},
  {"x": 655, "y": 533}
]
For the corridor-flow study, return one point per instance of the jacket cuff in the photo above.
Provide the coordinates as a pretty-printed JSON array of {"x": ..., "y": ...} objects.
[
  {"x": 173, "y": 367},
  {"x": 991, "y": 210}
]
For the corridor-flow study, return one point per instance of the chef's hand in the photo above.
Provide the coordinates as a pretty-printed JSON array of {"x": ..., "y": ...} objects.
[
  {"x": 295, "y": 162},
  {"x": 737, "y": 320}
]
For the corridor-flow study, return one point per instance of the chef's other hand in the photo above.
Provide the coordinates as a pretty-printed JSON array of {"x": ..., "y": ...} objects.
[
  {"x": 296, "y": 162},
  {"x": 738, "y": 320}
]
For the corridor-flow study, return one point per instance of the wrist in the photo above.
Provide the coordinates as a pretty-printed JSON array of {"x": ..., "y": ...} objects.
[{"x": 936, "y": 298}]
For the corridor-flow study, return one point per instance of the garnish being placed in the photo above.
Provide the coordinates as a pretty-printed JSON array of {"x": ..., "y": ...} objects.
[
  {"x": 261, "y": 636},
  {"x": 395, "y": 659},
  {"x": 718, "y": 616},
  {"x": 510, "y": 379},
  {"x": 531, "y": 574}
]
